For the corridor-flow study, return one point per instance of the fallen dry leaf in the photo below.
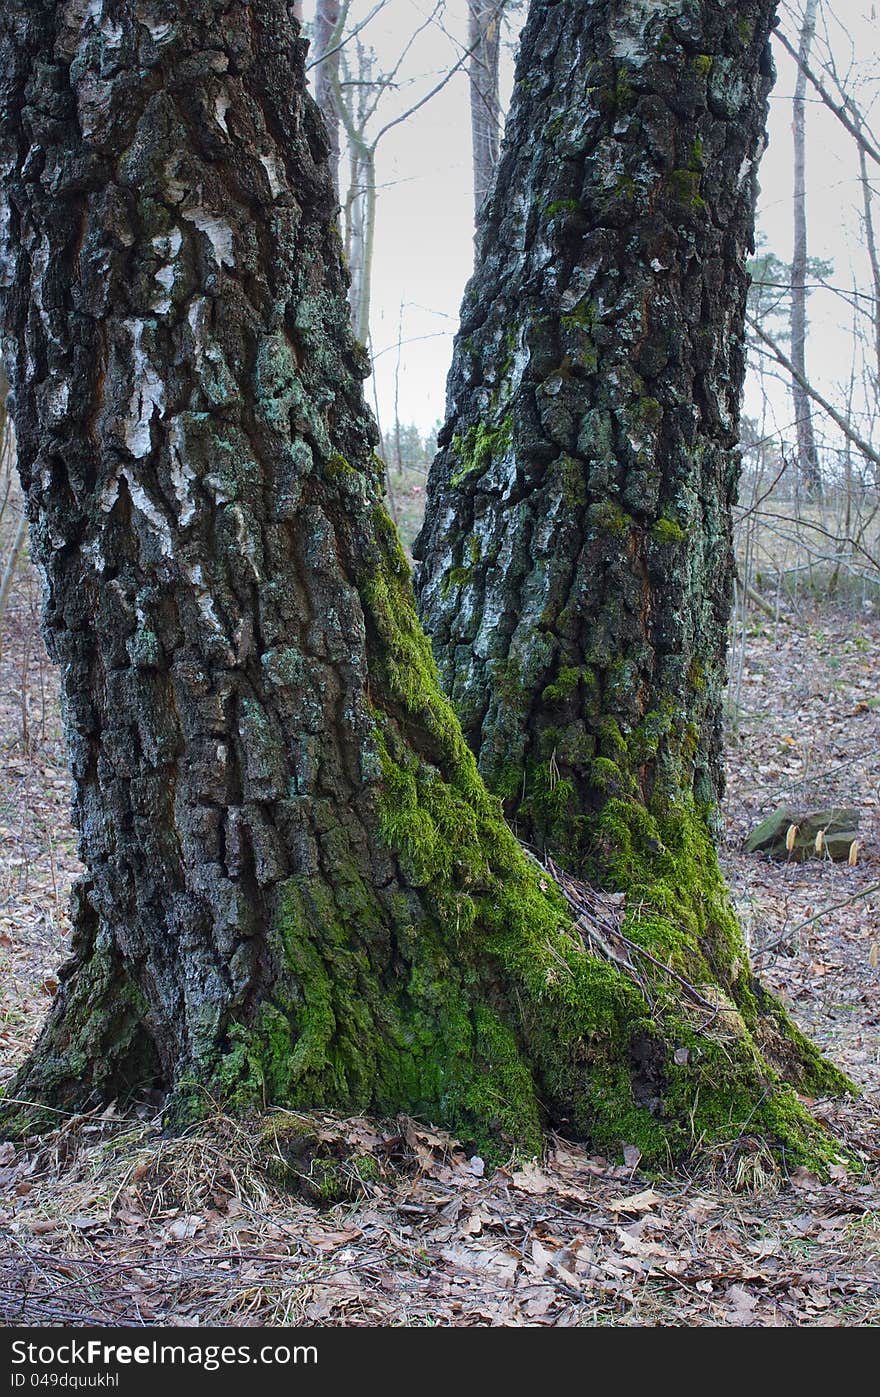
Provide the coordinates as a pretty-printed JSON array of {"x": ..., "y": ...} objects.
[{"x": 636, "y": 1202}]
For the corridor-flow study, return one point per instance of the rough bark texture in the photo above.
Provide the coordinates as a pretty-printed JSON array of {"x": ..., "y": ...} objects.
[
  {"x": 577, "y": 562},
  {"x": 808, "y": 457},
  {"x": 576, "y": 556},
  {"x": 298, "y": 889},
  {"x": 484, "y": 40}
]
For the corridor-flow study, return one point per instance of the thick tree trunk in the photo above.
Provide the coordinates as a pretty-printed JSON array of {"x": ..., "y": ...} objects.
[
  {"x": 576, "y": 556},
  {"x": 298, "y": 889},
  {"x": 577, "y": 561},
  {"x": 808, "y": 457},
  {"x": 484, "y": 40}
]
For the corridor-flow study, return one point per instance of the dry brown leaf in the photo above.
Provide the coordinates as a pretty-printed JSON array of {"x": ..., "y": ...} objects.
[
  {"x": 636, "y": 1202},
  {"x": 532, "y": 1179},
  {"x": 742, "y": 1305}
]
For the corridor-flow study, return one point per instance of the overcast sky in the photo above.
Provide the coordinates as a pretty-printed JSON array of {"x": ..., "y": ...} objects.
[{"x": 424, "y": 234}]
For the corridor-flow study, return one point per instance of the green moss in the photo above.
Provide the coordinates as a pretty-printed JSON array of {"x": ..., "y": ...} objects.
[
  {"x": 346, "y": 477},
  {"x": 697, "y": 675},
  {"x": 703, "y": 64},
  {"x": 585, "y": 315},
  {"x": 607, "y": 517},
  {"x": 466, "y": 996},
  {"x": 667, "y": 531},
  {"x": 611, "y": 740},
  {"x": 509, "y": 684},
  {"x": 479, "y": 446},
  {"x": 684, "y": 186},
  {"x": 564, "y": 685},
  {"x": 455, "y": 577},
  {"x": 622, "y": 95},
  {"x": 561, "y": 206},
  {"x": 644, "y": 742},
  {"x": 578, "y": 325}
]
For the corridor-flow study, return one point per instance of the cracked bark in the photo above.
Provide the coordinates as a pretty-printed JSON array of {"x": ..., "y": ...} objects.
[{"x": 576, "y": 555}]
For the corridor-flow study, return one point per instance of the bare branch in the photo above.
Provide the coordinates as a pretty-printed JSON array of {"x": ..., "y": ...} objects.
[
  {"x": 838, "y": 108},
  {"x": 846, "y": 427}
]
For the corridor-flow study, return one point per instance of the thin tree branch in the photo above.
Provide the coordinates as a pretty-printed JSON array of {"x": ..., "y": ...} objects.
[
  {"x": 838, "y": 108},
  {"x": 817, "y": 916},
  {"x": 845, "y": 427}
]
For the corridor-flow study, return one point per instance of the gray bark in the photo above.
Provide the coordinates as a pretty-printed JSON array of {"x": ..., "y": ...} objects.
[
  {"x": 297, "y": 888},
  {"x": 224, "y": 595}
]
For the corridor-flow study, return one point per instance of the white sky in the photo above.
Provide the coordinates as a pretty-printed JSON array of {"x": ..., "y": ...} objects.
[{"x": 424, "y": 233}]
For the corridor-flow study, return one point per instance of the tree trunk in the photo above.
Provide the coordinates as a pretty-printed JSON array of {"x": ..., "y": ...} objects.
[
  {"x": 873, "y": 258},
  {"x": 577, "y": 561},
  {"x": 298, "y": 890},
  {"x": 484, "y": 40},
  {"x": 577, "y": 558},
  {"x": 808, "y": 457},
  {"x": 326, "y": 37}
]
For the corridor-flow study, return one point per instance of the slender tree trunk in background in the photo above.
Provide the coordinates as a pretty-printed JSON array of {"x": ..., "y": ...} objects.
[
  {"x": 871, "y": 246},
  {"x": 808, "y": 457},
  {"x": 577, "y": 562},
  {"x": 360, "y": 199},
  {"x": 298, "y": 889},
  {"x": 360, "y": 233},
  {"x": 10, "y": 561},
  {"x": 326, "y": 79},
  {"x": 484, "y": 41}
]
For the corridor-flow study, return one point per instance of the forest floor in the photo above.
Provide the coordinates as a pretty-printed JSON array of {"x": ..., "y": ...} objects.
[{"x": 106, "y": 1222}]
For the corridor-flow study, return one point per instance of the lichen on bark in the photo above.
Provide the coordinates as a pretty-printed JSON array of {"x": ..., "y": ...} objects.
[{"x": 298, "y": 888}]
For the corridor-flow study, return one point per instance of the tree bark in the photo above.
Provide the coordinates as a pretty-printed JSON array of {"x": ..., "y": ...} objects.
[
  {"x": 808, "y": 457},
  {"x": 576, "y": 556},
  {"x": 484, "y": 40},
  {"x": 298, "y": 889}
]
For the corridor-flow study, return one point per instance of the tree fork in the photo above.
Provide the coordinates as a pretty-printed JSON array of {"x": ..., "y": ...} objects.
[{"x": 298, "y": 888}]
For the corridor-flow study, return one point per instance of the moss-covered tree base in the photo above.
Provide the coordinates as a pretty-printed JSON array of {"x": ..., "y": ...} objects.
[{"x": 462, "y": 991}]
